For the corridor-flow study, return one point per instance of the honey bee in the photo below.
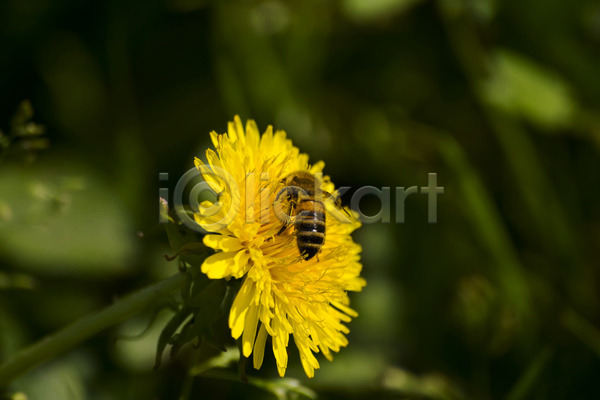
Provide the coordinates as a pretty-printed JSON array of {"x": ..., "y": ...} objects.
[{"x": 306, "y": 211}]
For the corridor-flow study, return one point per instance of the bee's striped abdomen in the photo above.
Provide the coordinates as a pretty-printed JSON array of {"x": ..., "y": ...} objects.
[{"x": 310, "y": 227}]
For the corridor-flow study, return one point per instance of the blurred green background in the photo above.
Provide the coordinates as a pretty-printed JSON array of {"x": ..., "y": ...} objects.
[{"x": 499, "y": 299}]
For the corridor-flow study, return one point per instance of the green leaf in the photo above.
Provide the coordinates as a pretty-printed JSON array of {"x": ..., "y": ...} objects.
[
  {"x": 430, "y": 386},
  {"x": 207, "y": 309},
  {"x": 362, "y": 10},
  {"x": 23, "y": 115},
  {"x": 176, "y": 239},
  {"x": 206, "y": 297},
  {"x": 4, "y": 140},
  {"x": 219, "y": 335},
  {"x": 193, "y": 253},
  {"x": 185, "y": 336},
  {"x": 60, "y": 218},
  {"x": 168, "y": 332},
  {"x": 221, "y": 360},
  {"x": 517, "y": 84}
]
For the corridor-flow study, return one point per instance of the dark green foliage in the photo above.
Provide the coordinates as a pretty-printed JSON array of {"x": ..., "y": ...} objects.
[
  {"x": 499, "y": 299},
  {"x": 202, "y": 315}
]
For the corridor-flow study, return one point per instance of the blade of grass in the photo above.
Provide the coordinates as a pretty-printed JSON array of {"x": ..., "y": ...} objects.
[
  {"x": 84, "y": 328},
  {"x": 488, "y": 224},
  {"x": 524, "y": 385},
  {"x": 582, "y": 329}
]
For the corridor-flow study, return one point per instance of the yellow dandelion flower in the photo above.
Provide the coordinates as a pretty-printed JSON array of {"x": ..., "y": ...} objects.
[{"x": 283, "y": 292}]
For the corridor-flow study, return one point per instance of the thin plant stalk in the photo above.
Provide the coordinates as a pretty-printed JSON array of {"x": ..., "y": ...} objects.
[{"x": 84, "y": 328}]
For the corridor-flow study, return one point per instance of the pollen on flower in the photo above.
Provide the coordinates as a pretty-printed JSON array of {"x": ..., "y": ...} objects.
[{"x": 282, "y": 294}]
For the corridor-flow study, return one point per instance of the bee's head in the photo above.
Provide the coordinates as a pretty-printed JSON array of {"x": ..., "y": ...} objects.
[{"x": 299, "y": 178}]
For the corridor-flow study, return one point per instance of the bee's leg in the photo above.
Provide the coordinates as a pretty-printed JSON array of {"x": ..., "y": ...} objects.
[
  {"x": 292, "y": 199},
  {"x": 337, "y": 201},
  {"x": 288, "y": 220},
  {"x": 290, "y": 192},
  {"x": 283, "y": 227},
  {"x": 282, "y": 191}
]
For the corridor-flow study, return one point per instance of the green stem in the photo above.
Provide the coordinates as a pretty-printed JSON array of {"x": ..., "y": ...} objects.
[
  {"x": 188, "y": 381},
  {"x": 524, "y": 386},
  {"x": 582, "y": 329},
  {"x": 84, "y": 328}
]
